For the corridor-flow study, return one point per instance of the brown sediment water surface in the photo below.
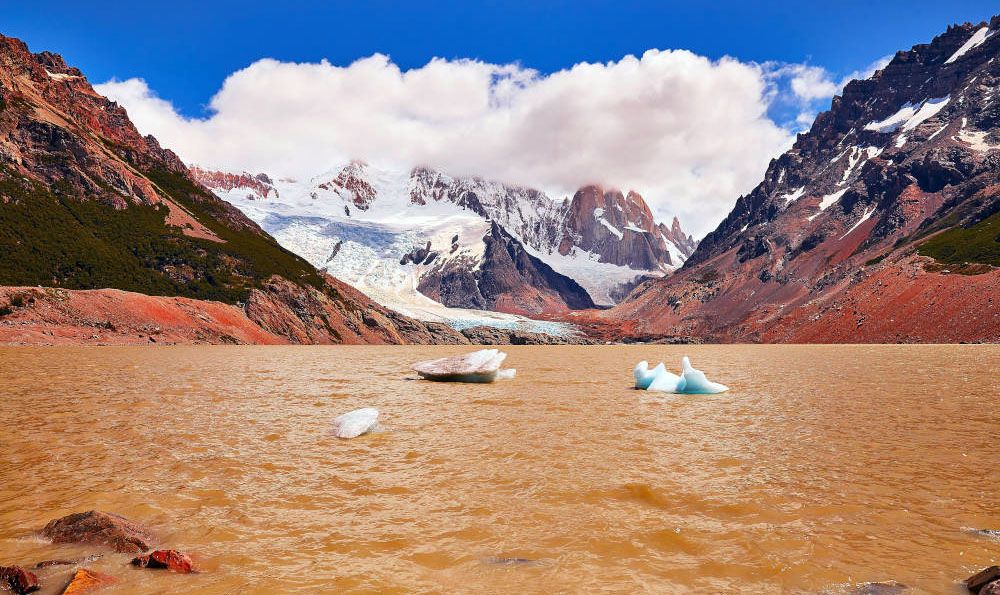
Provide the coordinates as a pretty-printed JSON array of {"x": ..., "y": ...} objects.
[{"x": 824, "y": 467}]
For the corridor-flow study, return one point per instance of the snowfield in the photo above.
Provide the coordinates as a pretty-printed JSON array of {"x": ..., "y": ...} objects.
[{"x": 364, "y": 226}]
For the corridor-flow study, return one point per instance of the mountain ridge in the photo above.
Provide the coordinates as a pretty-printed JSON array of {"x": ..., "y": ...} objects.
[
  {"x": 869, "y": 213},
  {"x": 577, "y": 255},
  {"x": 89, "y": 204}
]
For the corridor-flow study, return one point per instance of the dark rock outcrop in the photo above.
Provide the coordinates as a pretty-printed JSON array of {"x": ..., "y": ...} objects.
[
  {"x": 99, "y": 528},
  {"x": 508, "y": 279},
  {"x": 488, "y": 335},
  {"x": 986, "y": 577},
  {"x": 18, "y": 580}
]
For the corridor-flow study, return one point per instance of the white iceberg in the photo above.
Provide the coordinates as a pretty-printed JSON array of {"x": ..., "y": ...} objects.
[
  {"x": 690, "y": 382},
  {"x": 478, "y": 366},
  {"x": 355, "y": 423}
]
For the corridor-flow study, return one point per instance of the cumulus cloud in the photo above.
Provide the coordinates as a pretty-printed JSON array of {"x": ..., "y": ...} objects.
[
  {"x": 807, "y": 89},
  {"x": 689, "y": 133}
]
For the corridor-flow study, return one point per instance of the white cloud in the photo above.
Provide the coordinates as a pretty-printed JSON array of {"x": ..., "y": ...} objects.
[
  {"x": 688, "y": 133},
  {"x": 867, "y": 71},
  {"x": 811, "y": 82},
  {"x": 807, "y": 89}
]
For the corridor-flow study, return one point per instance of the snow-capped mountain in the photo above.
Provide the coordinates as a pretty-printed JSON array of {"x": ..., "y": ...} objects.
[
  {"x": 879, "y": 224},
  {"x": 421, "y": 239}
]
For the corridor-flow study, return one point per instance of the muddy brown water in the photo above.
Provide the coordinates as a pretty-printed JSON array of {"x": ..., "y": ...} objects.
[{"x": 824, "y": 467}]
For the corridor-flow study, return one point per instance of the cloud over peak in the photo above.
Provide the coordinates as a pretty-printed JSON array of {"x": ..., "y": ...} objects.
[{"x": 689, "y": 133}]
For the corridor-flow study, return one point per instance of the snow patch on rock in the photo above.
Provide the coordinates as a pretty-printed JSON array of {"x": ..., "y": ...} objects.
[{"x": 977, "y": 39}]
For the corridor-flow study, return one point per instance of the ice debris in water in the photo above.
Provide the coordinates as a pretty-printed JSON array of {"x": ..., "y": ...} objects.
[
  {"x": 644, "y": 376},
  {"x": 691, "y": 381},
  {"x": 355, "y": 423},
  {"x": 478, "y": 366}
]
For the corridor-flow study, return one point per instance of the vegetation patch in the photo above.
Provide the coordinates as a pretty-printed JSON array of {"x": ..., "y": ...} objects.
[
  {"x": 73, "y": 242},
  {"x": 979, "y": 243}
]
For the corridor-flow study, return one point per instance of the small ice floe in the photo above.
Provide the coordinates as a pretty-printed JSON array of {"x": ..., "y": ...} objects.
[
  {"x": 356, "y": 423},
  {"x": 690, "y": 382},
  {"x": 478, "y": 366}
]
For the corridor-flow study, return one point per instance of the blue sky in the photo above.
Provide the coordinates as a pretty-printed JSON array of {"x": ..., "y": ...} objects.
[
  {"x": 541, "y": 94},
  {"x": 185, "y": 49}
]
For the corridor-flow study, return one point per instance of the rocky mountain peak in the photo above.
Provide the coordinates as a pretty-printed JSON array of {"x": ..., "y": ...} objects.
[
  {"x": 904, "y": 163},
  {"x": 257, "y": 186},
  {"x": 620, "y": 228}
]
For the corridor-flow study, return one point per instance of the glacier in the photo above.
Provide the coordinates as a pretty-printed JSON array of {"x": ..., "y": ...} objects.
[
  {"x": 691, "y": 381},
  {"x": 355, "y": 423},
  {"x": 363, "y": 238},
  {"x": 481, "y": 366}
]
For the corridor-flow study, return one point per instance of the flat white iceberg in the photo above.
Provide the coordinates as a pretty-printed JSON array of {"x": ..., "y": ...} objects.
[
  {"x": 478, "y": 366},
  {"x": 690, "y": 382},
  {"x": 355, "y": 423}
]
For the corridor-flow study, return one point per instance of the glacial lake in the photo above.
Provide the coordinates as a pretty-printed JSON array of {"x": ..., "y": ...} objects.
[{"x": 824, "y": 467}]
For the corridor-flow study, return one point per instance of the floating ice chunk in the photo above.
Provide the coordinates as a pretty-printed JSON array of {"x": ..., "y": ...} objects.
[
  {"x": 691, "y": 381},
  {"x": 644, "y": 376},
  {"x": 694, "y": 382},
  {"x": 356, "y": 423},
  {"x": 506, "y": 374},
  {"x": 666, "y": 382},
  {"x": 478, "y": 366}
]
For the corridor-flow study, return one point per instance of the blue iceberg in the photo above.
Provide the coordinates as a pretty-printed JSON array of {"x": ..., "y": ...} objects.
[
  {"x": 690, "y": 382},
  {"x": 644, "y": 376}
]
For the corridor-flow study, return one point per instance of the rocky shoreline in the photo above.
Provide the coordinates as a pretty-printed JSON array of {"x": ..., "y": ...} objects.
[
  {"x": 53, "y": 316},
  {"x": 113, "y": 535},
  {"x": 104, "y": 531}
]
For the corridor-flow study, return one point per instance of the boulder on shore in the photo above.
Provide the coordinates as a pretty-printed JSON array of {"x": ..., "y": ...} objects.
[
  {"x": 977, "y": 583},
  {"x": 18, "y": 580},
  {"x": 478, "y": 366},
  {"x": 169, "y": 559},
  {"x": 99, "y": 528}
]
